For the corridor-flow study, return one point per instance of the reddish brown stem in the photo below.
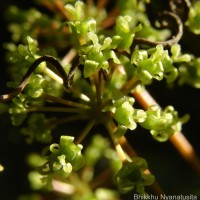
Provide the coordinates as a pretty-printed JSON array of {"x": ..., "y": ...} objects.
[
  {"x": 125, "y": 147},
  {"x": 111, "y": 19},
  {"x": 101, "y": 4},
  {"x": 179, "y": 141}
]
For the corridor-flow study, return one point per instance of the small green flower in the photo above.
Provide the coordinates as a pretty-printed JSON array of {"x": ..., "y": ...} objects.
[
  {"x": 17, "y": 110},
  {"x": 65, "y": 157},
  {"x": 153, "y": 64},
  {"x": 95, "y": 56},
  {"x": 32, "y": 132},
  {"x": 123, "y": 37},
  {"x": 132, "y": 176},
  {"x": 194, "y": 18},
  {"x": 162, "y": 124},
  {"x": 124, "y": 113}
]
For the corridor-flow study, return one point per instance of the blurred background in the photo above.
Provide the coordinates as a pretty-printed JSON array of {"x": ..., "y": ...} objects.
[{"x": 173, "y": 173}]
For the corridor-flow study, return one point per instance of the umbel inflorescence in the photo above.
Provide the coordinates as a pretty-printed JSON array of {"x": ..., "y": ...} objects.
[{"x": 84, "y": 63}]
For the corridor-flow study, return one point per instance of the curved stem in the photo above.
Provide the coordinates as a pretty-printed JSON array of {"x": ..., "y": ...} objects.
[
  {"x": 70, "y": 75},
  {"x": 181, "y": 8},
  {"x": 50, "y": 59},
  {"x": 66, "y": 60},
  {"x": 172, "y": 18}
]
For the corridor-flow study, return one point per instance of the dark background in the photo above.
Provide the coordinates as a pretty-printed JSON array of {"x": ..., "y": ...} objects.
[{"x": 173, "y": 174}]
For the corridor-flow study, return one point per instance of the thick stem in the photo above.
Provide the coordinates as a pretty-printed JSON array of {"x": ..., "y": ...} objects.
[{"x": 179, "y": 141}]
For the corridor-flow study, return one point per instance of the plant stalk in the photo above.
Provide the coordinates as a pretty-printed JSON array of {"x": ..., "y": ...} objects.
[
  {"x": 64, "y": 101},
  {"x": 53, "y": 109},
  {"x": 179, "y": 141},
  {"x": 126, "y": 153},
  {"x": 85, "y": 131},
  {"x": 56, "y": 122}
]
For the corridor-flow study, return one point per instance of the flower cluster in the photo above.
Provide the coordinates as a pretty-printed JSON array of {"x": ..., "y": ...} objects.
[
  {"x": 94, "y": 82},
  {"x": 155, "y": 63},
  {"x": 163, "y": 123},
  {"x": 64, "y": 158},
  {"x": 132, "y": 175}
]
